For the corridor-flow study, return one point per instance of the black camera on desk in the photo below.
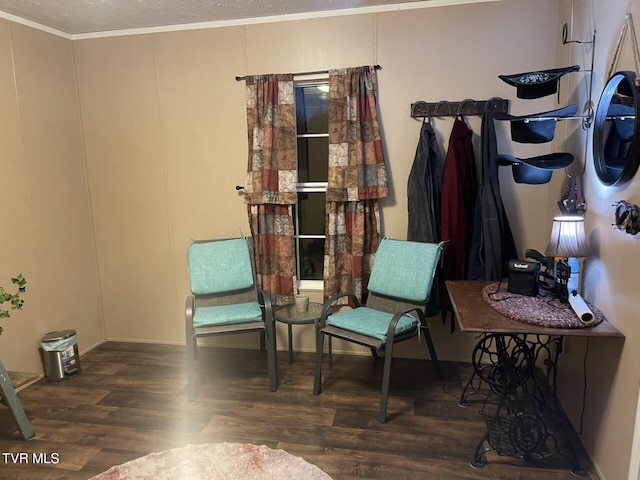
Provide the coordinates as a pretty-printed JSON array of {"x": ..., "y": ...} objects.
[
  {"x": 523, "y": 277},
  {"x": 526, "y": 277}
]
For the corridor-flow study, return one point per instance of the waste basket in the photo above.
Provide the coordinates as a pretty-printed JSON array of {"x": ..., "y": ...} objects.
[{"x": 60, "y": 355}]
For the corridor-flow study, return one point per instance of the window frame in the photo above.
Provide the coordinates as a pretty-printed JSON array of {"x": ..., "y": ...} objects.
[{"x": 308, "y": 187}]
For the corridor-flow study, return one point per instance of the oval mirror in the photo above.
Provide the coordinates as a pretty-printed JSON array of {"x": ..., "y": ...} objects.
[{"x": 616, "y": 141}]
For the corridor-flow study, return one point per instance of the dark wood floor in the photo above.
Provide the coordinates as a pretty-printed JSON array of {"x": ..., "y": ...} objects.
[{"x": 130, "y": 400}]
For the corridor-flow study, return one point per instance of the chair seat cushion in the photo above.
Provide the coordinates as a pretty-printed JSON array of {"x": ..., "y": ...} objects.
[
  {"x": 227, "y": 314},
  {"x": 370, "y": 322}
]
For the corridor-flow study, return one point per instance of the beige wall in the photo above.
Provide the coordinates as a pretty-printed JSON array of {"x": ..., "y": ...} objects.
[
  {"x": 167, "y": 132},
  {"x": 146, "y": 151},
  {"x": 46, "y": 223},
  {"x": 610, "y": 279}
]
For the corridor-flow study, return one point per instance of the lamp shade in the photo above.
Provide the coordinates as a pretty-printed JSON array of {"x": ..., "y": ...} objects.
[{"x": 567, "y": 238}]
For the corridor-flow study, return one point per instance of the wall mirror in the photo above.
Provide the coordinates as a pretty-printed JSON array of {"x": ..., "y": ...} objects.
[{"x": 616, "y": 136}]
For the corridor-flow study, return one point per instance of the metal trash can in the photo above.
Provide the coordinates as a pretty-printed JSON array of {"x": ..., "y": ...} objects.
[{"x": 60, "y": 355}]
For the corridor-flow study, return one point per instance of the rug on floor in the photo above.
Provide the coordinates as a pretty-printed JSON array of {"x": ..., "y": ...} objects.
[{"x": 216, "y": 461}]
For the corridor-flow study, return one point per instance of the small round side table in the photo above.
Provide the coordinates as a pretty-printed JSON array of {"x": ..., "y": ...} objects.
[{"x": 288, "y": 314}]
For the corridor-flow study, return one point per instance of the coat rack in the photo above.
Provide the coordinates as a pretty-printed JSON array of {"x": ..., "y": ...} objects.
[{"x": 468, "y": 106}]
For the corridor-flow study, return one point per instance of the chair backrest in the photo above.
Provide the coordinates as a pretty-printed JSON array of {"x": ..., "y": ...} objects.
[
  {"x": 404, "y": 270},
  {"x": 219, "y": 266}
]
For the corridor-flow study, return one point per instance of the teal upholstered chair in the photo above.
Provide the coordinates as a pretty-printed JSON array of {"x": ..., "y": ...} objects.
[
  {"x": 399, "y": 291},
  {"x": 225, "y": 300}
]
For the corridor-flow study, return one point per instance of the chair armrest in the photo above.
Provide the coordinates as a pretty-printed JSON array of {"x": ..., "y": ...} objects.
[
  {"x": 321, "y": 322},
  {"x": 396, "y": 318},
  {"x": 189, "y": 308},
  {"x": 264, "y": 298}
]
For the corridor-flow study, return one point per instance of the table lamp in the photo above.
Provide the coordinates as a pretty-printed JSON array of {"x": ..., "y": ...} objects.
[{"x": 567, "y": 244}]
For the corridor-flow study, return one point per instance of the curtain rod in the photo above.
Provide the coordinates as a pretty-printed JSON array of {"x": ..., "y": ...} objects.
[{"x": 317, "y": 72}]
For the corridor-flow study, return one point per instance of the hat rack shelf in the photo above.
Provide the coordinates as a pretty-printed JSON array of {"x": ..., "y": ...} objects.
[
  {"x": 540, "y": 118},
  {"x": 468, "y": 106},
  {"x": 445, "y": 108},
  {"x": 589, "y": 112}
]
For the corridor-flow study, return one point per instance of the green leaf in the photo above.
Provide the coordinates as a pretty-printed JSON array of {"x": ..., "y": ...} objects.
[
  {"x": 16, "y": 303},
  {"x": 21, "y": 282}
]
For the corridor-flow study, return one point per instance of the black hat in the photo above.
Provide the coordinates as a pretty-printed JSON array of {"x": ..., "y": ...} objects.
[
  {"x": 535, "y": 128},
  {"x": 535, "y": 170},
  {"x": 623, "y": 120},
  {"x": 539, "y": 83}
]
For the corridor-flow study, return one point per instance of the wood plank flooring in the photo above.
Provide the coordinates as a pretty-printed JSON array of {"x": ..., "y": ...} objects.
[
  {"x": 21, "y": 380},
  {"x": 130, "y": 400}
]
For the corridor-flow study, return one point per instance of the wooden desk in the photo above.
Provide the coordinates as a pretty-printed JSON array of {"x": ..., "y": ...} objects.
[
  {"x": 527, "y": 422},
  {"x": 473, "y": 314}
]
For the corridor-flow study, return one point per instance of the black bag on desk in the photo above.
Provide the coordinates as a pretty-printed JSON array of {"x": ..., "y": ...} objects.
[{"x": 523, "y": 277}]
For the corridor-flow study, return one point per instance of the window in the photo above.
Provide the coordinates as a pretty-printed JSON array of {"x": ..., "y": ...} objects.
[{"x": 312, "y": 133}]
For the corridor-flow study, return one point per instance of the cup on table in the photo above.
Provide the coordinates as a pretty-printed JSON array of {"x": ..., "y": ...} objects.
[{"x": 302, "y": 303}]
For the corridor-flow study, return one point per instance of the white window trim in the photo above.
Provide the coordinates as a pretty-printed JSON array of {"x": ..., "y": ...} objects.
[{"x": 310, "y": 187}]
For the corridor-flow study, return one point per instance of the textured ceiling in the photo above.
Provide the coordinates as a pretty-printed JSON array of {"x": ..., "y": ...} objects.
[{"x": 78, "y": 17}]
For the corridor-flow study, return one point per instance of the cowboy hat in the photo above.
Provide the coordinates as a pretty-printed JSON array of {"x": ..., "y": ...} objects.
[
  {"x": 537, "y": 127},
  {"x": 535, "y": 170},
  {"x": 538, "y": 83}
]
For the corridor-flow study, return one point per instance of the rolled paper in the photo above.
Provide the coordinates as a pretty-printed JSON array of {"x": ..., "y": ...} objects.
[{"x": 581, "y": 309}]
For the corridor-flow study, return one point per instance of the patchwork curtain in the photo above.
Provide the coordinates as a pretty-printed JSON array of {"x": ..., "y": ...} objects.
[
  {"x": 357, "y": 179},
  {"x": 270, "y": 188}
]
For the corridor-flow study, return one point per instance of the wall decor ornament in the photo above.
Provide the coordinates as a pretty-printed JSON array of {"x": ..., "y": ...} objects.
[{"x": 627, "y": 217}]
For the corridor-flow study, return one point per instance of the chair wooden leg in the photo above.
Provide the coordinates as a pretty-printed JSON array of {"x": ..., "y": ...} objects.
[{"x": 317, "y": 382}]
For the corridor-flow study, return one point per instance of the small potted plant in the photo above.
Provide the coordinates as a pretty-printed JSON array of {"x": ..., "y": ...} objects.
[{"x": 14, "y": 299}]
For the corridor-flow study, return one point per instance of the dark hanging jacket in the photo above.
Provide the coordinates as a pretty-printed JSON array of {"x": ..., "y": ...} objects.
[
  {"x": 492, "y": 242},
  {"x": 459, "y": 189},
  {"x": 423, "y": 189},
  {"x": 423, "y": 198}
]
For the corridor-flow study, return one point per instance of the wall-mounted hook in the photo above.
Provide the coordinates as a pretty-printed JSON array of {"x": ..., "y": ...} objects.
[
  {"x": 587, "y": 115},
  {"x": 419, "y": 109},
  {"x": 627, "y": 217},
  {"x": 436, "y": 110},
  {"x": 465, "y": 107},
  {"x": 496, "y": 104},
  {"x": 464, "y": 103}
]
